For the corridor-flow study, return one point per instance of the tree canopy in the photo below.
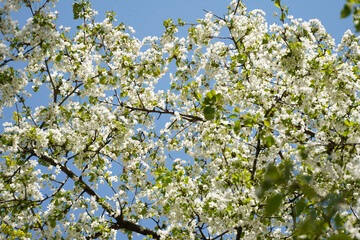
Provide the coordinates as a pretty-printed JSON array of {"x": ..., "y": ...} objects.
[{"x": 239, "y": 130}]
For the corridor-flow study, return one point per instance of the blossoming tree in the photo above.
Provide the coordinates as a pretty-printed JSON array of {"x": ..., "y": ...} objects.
[{"x": 239, "y": 130}]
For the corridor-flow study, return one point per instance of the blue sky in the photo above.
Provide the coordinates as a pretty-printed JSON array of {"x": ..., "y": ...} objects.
[{"x": 146, "y": 16}]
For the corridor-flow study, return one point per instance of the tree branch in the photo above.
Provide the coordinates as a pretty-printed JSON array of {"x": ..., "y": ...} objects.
[
  {"x": 120, "y": 222},
  {"x": 238, "y": 232},
  {"x": 187, "y": 117},
  {"x": 258, "y": 149}
]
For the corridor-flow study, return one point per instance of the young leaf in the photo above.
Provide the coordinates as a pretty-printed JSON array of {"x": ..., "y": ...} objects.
[
  {"x": 340, "y": 236},
  {"x": 76, "y": 10},
  {"x": 346, "y": 11},
  {"x": 277, "y": 3},
  {"x": 267, "y": 123},
  {"x": 270, "y": 140},
  {"x": 273, "y": 204},
  {"x": 300, "y": 206},
  {"x": 237, "y": 127},
  {"x": 209, "y": 113}
]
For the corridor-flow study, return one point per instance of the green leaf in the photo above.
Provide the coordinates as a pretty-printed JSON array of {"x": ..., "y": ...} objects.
[
  {"x": 346, "y": 11},
  {"x": 237, "y": 127},
  {"x": 357, "y": 27},
  {"x": 303, "y": 152},
  {"x": 52, "y": 223},
  {"x": 270, "y": 140},
  {"x": 76, "y": 10},
  {"x": 273, "y": 204},
  {"x": 346, "y": 132},
  {"x": 58, "y": 58},
  {"x": 157, "y": 72},
  {"x": 282, "y": 18},
  {"x": 277, "y": 3},
  {"x": 308, "y": 226},
  {"x": 267, "y": 123},
  {"x": 209, "y": 113},
  {"x": 300, "y": 206},
  {"x": 273, "y": 173},
  {"x": 35, "y": 88},
  {"x": 260, "y": 191},
  {"x": 181, "y": 22},
  {"x": 339, "y": 221},
  {"x": 308, "y": 191},
  {"x": 348, "y": 123},
  {"x": 249, "y": 122},
  {"x": 340, "y": 236},
  {"x": 211, "y": 94}
]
